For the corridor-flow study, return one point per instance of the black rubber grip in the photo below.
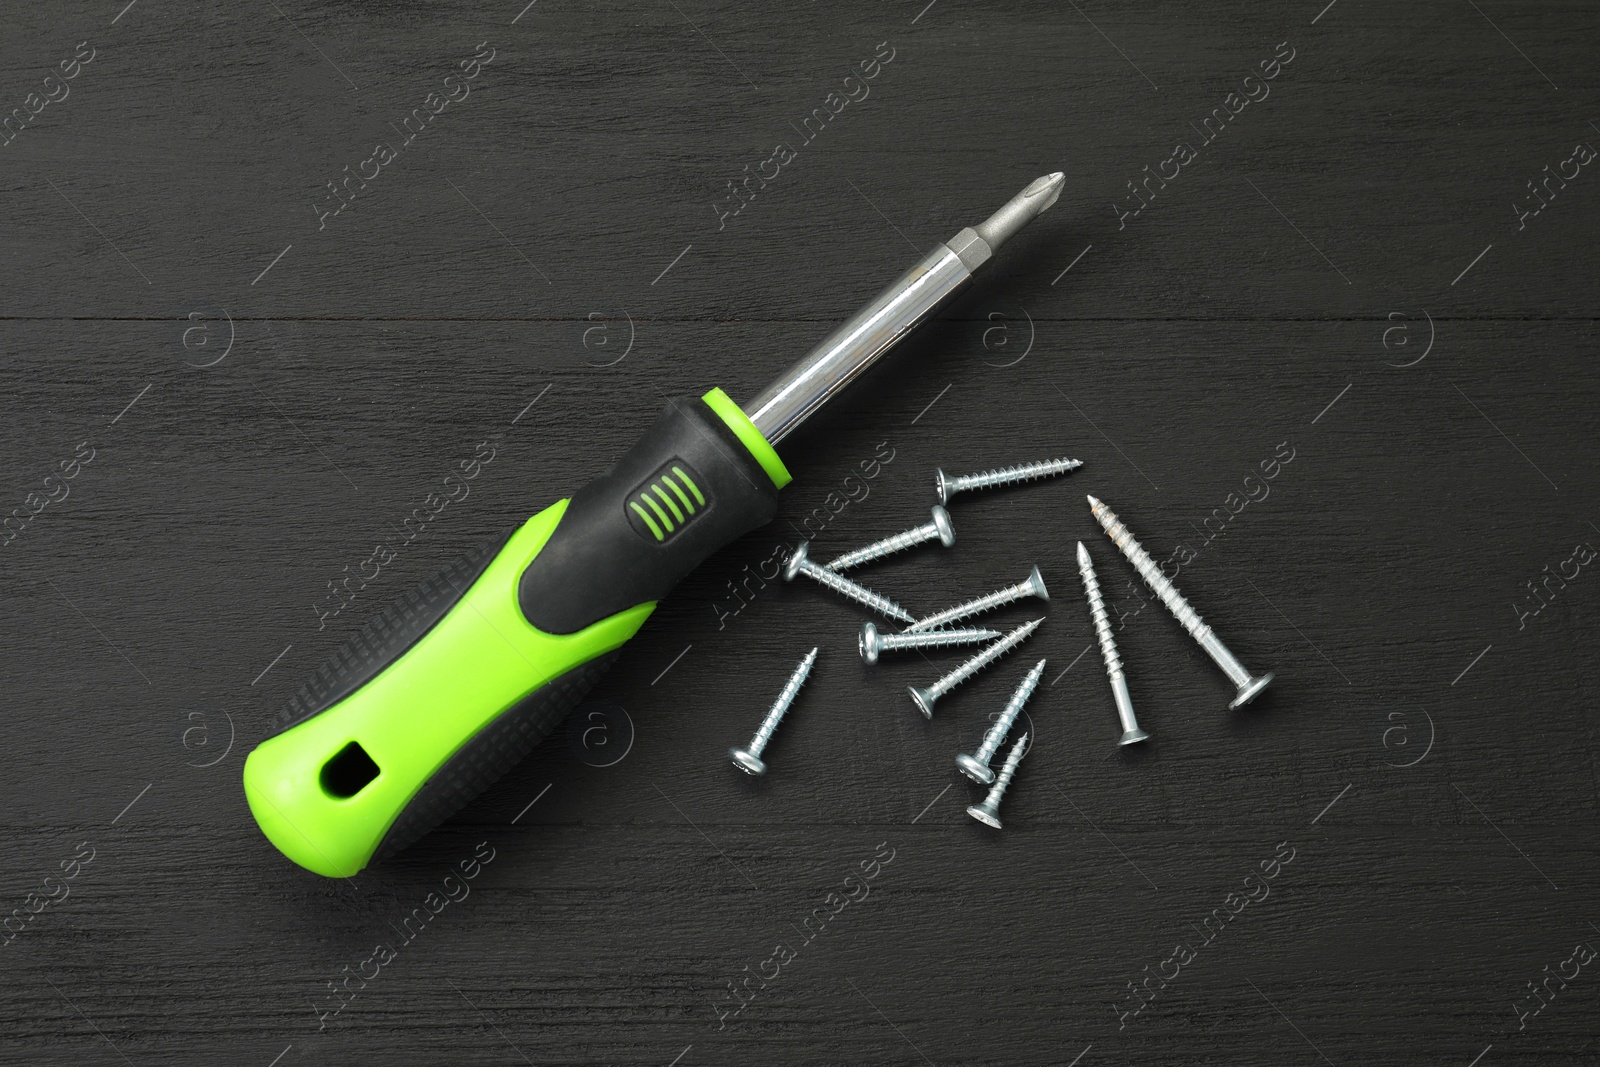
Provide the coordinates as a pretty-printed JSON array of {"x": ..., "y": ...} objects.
[
  {"x": 686, "y": 489},
  {"x": 385, "y": 637},
  {"x": 495, "y": 750}
]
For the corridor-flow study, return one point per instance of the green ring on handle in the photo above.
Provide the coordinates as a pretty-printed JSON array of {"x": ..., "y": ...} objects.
[{"x": 749, "y": 436}]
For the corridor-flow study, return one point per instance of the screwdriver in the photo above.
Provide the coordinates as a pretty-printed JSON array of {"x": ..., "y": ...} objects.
[{"x": 447, "y": 689}]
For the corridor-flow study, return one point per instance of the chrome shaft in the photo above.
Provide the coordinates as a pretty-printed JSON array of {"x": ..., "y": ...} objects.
[{"x": 858, "y": 342}]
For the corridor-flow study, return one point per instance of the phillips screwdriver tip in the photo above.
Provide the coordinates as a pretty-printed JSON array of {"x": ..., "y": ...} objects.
[{"x": 1021, "y": 209}]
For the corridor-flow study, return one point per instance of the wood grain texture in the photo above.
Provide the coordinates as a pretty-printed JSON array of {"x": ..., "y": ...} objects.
[{"x": 1308, "y": 282}]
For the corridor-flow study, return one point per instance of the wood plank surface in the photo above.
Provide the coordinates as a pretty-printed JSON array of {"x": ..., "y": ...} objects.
[{"x": 1348, "y": 285}]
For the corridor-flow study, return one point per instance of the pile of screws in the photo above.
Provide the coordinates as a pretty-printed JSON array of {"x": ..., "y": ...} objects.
[{"x": 935, "y": 631}]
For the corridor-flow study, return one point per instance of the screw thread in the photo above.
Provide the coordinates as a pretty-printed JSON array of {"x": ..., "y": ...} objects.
[
  {"x": 887, "y": 547},
  {"x": 1007, "y": 772},
  {"x": 855, "y": 591},
  {"x": 1158, "y": 583},
  {"x": 972, "y": 607},
  {"x": 1163, "y": 588},
  {"x": 1021, "y": 472},
  {"x": 1008, "y": 718},
  {"x": 984, "y": 658},
  {"x": 936, "y": 638},
  {"x": 1102, "y": 622},
  {"x": 780, "y": 706}
]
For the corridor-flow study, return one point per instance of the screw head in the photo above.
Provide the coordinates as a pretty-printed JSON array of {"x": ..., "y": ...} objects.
[
  {"x": 985, "y": 814},
  {"x": 1250, "y": 691},
  {"x": 923, "y": 699},
  {"x": 1036, "y": 584},
  {"x": 941, "y": 485},
  {"x": 792, "y": 567},
  {"x": 941, "y": 520},
  {"x": 746, "y": 762},
  {"x": 870, "y": 643},
  {"x": 1133, "y": 736},
  {"x": 978, "y": 772}
]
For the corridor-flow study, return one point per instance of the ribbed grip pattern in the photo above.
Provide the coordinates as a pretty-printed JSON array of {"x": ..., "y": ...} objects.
[
  {"x": 385, "y": 638},
  {"x": 497, "y": 748}
]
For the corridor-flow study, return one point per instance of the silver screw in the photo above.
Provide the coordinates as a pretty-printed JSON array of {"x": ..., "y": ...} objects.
[
  {"x": 873, "y": 643},
  {"x": 988, "y": 812},
  {"x": 948, "y": 487},
  {"x": 924, "y": 698},
  {"x": 1032, "y": 585},
  {"x": 976, "y": 765},
  {"x": 1249, "y": 685},
  {"x": 939, "y": 526},
  {"x": 749, "y": 759},
  {"x": 1131, "y": 733},
  {"x": 799, "y": 564}
]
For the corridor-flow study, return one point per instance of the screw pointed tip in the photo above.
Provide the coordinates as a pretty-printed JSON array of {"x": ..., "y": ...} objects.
[
  {"x": 1095, "y": 503},
  {"x": 1083, "y": 555}
]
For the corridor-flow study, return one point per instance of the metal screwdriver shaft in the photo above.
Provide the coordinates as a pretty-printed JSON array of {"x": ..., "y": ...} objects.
[
  {"x": 1249, "y": 685},
  {"x": 1032, "y": 585},
  {"x": 948, "y": 487},
  {"x": 988, "y": 812},
  {"x": 976, "y": 764},
  {"x": 860, "y": 340},
  {"x": 873, "y": 643},
  {"x": 749, "y": 759},
  {"x": 924, "y": 698},
  {"x": 1108, "y": 650},
  {"x": 938, "y": 526},
  {"x": 799, "y": 564}
]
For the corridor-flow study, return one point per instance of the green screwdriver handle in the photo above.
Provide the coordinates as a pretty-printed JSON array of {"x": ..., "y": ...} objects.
[{"x": 447, "y": 689}]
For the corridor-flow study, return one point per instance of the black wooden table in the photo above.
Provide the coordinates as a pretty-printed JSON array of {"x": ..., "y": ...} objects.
[{"x": 1317, "y": 311}]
